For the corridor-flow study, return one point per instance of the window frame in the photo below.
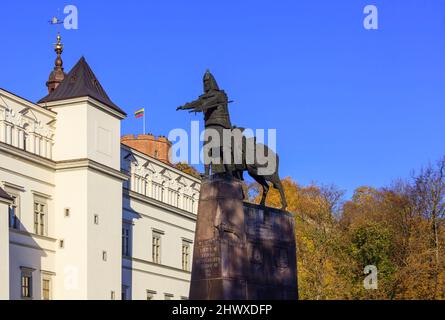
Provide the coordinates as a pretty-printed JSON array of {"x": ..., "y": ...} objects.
[
  {"x": 126, "y": 236},
  {"x": 26, "y": 273},
  {"x": 38, "y": 221},
  {"x": 152, "y": 293},
  {"x": 48, "y": 278},
  {"x": 156, "y": 248},
  {"x": 168, "y": 296},
  {"x": 186, "y": 255}
]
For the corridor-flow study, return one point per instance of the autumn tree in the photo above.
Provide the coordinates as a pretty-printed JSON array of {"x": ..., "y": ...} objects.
[
  {"x": 399, "y": 229},
  {"x": 429, "y": 203},
  {"x": 186, "y": 168}
]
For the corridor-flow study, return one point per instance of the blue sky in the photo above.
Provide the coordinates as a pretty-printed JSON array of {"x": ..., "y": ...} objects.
[{"x": 351, "y": 106}]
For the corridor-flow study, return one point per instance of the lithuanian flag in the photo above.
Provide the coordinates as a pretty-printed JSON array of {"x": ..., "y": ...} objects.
[{"x": 140, "y": 113}]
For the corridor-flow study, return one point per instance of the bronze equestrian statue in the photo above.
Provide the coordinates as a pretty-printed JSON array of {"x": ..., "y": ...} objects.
[{"x": 214, "y": 104}]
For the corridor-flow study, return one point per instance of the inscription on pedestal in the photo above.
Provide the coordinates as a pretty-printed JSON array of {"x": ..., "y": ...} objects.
[{"x": 209, "y": 258}]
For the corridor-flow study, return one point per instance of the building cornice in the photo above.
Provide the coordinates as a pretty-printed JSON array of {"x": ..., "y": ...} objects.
[
  {"x": 132, "y": 260},
  {"x": 158, "y": 220},
  {"x": 27, "y": 156},
  {"x": 157, "y": 265},
  {"x": 155, "y": 273},
  {"x": 32, "y": 235},
  {"x": 90, "y": 164},
  {"x": 87, "y": 99},
  {"x": 62, "y": 165},
  {"x": 23, "y": 101},
  {"x": 160, "y": 163},
  {"x": 16, "y": 187},
  {"x": 5, "y": 201},
  {"x": 165, "y": 206}
]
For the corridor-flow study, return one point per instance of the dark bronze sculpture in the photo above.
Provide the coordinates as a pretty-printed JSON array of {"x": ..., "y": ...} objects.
[{"x": 214, "y": 104}]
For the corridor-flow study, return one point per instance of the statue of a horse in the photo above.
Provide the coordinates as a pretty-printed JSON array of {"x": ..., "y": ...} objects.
[{"x": 214, "y": 104}]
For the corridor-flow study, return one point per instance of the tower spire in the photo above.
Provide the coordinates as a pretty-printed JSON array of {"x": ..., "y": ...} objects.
[{"x": 57, "y": 75}]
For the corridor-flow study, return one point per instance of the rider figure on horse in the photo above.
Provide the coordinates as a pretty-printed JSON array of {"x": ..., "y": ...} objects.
[{"x": 214, "y": 104}]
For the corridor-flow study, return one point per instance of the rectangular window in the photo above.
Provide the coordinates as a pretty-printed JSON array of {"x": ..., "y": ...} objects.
[
  {"x": 185, "y": 256},
  {"x": 168, "y": 296},
  {"x": 156, "y": 248},
  {"x": 113, "y": 295},
  {"x": 46, "y": 289},
  {"x": 125, "y": 242},
  {"x": 40, "y": 227},
  {"x": 26, "y": 283},
  {"x": 104, "y": 256},
  {"x": 151, "y": 294},
  {"x": 96, "y": 219},
  {"x": 14, "y": 212}
]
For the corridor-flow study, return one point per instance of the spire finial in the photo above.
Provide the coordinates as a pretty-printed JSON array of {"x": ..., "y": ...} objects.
[
  {"x": 58, "y": 47},
  {"x": 57, "y": 75}
]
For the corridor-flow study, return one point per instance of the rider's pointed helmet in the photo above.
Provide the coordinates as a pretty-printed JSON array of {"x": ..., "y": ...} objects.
[{"x": 210, "y": 82}]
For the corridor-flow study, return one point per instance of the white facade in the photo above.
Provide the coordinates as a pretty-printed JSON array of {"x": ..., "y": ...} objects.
[{"x": 94, "y": 218}]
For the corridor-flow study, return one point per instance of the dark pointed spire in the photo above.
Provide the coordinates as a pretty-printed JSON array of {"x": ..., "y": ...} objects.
[
  {"x": 81, "y": 82},
  {"x": 57, "y": 75}
]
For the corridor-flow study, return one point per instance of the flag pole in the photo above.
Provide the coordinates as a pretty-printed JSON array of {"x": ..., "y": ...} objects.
[{"x": 144, "y": 122}]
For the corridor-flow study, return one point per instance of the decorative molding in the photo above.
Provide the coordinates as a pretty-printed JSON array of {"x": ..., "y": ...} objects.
[
  {"x": 165, "y": 206},
  {"x": 159, "y": 220},
  {"x": 48, "y": 273},
  {"x": 27, "y": 103},
  {"x": 154, "y": 273},
  {"x": 10, "y": 185},
  {"x": 33, "y": 235},
  {"x": 61, "y": 103},
  {"x": 159, "y": 163},
  {"x": 27, "y": 177},
  {"x": 154, "y": 230},
  {"x": 90, "y": 164},
  {"x": 31, "y": 247},
  {"x": 158, "y": 265},
  {"x": 41, "y": 194}
]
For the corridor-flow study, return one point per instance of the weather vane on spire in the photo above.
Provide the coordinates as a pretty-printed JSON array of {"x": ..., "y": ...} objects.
[
  {"x": 70, "y": 21},
  {"x": 56, "y": 21}
]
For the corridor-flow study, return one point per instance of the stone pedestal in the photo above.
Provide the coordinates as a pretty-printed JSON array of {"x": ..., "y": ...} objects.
[{"x": 242, "y": 251}]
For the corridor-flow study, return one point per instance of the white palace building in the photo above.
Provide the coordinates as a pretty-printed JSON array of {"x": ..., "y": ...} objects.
[{"x": 85, "y": 214}]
